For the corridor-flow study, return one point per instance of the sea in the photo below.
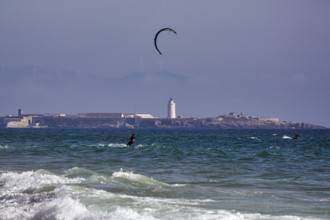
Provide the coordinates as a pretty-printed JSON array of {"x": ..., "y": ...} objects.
[{"x": 166, "y": 174}]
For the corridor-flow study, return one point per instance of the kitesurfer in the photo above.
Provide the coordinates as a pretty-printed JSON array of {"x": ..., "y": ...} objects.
[{"x": 131, "y": 140}]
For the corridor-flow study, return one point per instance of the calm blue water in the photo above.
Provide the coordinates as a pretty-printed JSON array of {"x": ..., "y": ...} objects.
[{"x": 167, "y": 174}]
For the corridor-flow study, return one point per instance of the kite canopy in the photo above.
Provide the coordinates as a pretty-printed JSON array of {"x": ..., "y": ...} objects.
[{"x": 156, "y": 36}]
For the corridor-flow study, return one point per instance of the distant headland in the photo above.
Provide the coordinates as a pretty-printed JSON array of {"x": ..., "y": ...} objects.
[{"x": 133, "y": 120}]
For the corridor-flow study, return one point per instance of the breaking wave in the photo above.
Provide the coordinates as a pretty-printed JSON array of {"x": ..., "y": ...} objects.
[
  {"x": 45, "y": 195},
  {"x": 135, "y": 179}
]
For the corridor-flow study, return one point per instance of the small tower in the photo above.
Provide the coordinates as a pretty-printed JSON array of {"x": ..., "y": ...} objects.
[
  {"x": 19, "y": 113},
  {"x": 171, "y": 109}
]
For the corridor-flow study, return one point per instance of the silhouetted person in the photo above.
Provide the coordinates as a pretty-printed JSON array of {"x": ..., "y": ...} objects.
[
  {"x": 131, "y": 140},
  {"x": 296, "y": 136}
]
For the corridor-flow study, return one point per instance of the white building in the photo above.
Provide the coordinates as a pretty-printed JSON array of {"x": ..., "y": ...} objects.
[
  {"x": 144, "y": 116},
  {"x": 274, "y": 120},
  {"x": 138, "y": 115},
  {"x": 171, "y": 109},
  {"x": 25, "y": 122}
]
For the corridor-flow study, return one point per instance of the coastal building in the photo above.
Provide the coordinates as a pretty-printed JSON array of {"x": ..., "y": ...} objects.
[
  {"x": 139, "y": 115},
  {"x": 243, "y": 116},
  {"x": 55, "y": 114},
  {"x": 101, "y": 115},
  {"x": 24, "y": 122},
  {"x": 114, "y": 115},
  {"x": 231, "y": 115},
  {"x": 171, "y": 109},
  {"x": 19, "y": 113},
  {"x": 274, "y": 120}
]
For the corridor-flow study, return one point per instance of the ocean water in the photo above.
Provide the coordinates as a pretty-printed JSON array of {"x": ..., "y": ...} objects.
[{"x": 166, "y": 174}]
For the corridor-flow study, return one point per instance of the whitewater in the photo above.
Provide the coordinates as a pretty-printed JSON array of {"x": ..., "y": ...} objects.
[{"x": 166, "y": 174}]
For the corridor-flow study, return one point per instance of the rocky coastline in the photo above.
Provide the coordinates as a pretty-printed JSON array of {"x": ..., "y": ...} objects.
[{"x": 220, "y": 122}]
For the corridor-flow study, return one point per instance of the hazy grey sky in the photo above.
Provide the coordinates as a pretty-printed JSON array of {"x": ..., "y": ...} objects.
[{"x": 262, "y": 58}]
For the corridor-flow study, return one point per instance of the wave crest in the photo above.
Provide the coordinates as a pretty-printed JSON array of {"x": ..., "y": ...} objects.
[{"x": 131, "y": 178}]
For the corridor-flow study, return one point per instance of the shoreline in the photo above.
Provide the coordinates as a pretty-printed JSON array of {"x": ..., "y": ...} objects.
[{"x": 72, "y": 122}]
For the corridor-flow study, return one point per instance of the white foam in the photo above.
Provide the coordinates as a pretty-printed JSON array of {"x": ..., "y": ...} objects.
[
  {"x": 96, "y": 179},
  {"x": 3, "y": 146},
  {"x": 276, "y": 147},
  {"x": 70, "y": 209},
  {"x": 97, "y": 145},
  {"x": 139, "y": 146},
  {"x": 21, "y": 192},
  {"x": 116, "y": 145},
  {"x": 69, "y": 202},
  {"x": 31, "y": 181},
  {"x": 61, "y": 208},
  {"x": 136, "y": 179},
  {"x": 78, "y": 171},
  {"x": 286, "y": 137},
  {"x": 128, "y": 213},
  {"x": 254, "y": 138}
]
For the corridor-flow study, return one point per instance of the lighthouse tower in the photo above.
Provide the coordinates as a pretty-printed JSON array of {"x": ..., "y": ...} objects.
[{"x": 171, "y": 109}]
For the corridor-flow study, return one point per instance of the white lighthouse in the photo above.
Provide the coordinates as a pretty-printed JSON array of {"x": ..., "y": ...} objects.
[{"x": 171, "y": 109}]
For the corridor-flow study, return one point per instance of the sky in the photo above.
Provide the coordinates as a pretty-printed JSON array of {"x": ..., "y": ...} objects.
[{"x": 262, "y": 58}]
